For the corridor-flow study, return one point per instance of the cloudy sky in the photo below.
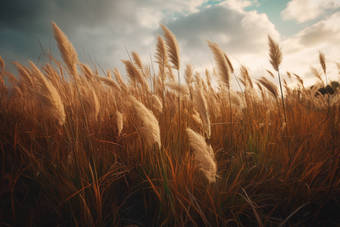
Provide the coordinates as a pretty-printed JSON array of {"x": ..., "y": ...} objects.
[{"x": 98, "y": 30}]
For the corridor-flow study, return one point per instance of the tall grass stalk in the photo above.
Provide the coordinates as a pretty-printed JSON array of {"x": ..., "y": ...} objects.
[
  {"x": 123, "y": 164},
  {"x": 275, "y": 60}
]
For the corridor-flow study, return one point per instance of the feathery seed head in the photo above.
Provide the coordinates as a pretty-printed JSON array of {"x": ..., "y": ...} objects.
[
  {"x": 270, "y": 73},
  {"x": 67, "y": 51},
  {"x": 133, "y": 73},
  {"x": 189, "y": 70},
  {"x": 157, "y": 104},
  {"x": 270, "y": 86},
  {"x": 120, "y": 81},
  {"x": 298, "y": 78},
  {"x": 222, "y": 64},
  {"x": 172, "y": 47},
  {"x": 204, "y": 155},
  {"x": 161, "y": 54},
  {"x": 202, "y": 106},
  {"x": 119, "y": 116},
  {"x": 183, "y": 88},
  {"x": 229, "y": 63},
  {"x": 322, "y": 60},
  {"x": 109, "y": 82},
  {"x": 137, "y": 60},
  {"x": 289, "y": 75},
  {"x": 149, "y": 127},
  {"x": 316, "y": 73},
  {"x": 49, "y": 95},
  {"x": 275, "y": 53},
  {"x": 246, "y": 77}
]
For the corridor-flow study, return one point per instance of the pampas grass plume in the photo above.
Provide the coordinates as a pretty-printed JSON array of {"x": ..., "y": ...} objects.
[
  {"x": 204, "y": 155},
  {"x": 120, "y": 124},
  {"x": 172, "y": 47},
  {"x": 149, "y": 125},
  {"x": 275, "y": 53},
  {"x": 183, "y": 88},
  {"x": 322, "y": 60},
  {"x": 137, "y": 60},
  {"x": 67, "y": 51},
  {"x": 109, "y": 82},
  {"x": 157, "y": 104},
  {"x": 49, "y": 96},
  {"x": 222, "y": 64},
  {"x": 161, "y": 53},
  {"x": 271, "y": 87},
  {"x": 201, "y": 104}
]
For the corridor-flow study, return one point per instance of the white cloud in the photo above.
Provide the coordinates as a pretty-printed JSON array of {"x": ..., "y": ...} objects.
[
  {"x": 239, "y": 4},
  {"x": 181, "y": 6},
  {"x": 301, "y": 50},
  {"x": 237, "y": 32},
  {"x": 149, "y": 17},
  {"x": 305, "y": 10}
]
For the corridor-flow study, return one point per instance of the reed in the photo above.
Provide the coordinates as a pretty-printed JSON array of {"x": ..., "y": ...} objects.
[
  {"x": 120, "y": 158},
  {"x": 275, "y": 55},
  {"x": 322, "y": 60},
  {"x": 48, "y": 95},
  {"x": 204, "y": 155},
  {"x": 174, "y": 57}
]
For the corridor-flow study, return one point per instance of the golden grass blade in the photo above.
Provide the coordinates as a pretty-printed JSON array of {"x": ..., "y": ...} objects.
[
  {"x": 258, "y": 219},
  {"x": 287, "y": 218}
]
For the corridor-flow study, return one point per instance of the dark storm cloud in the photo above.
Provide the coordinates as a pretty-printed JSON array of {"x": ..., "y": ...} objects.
[
  {"x": 36, "y": 15},
  {"x": 86, "y": 23}
]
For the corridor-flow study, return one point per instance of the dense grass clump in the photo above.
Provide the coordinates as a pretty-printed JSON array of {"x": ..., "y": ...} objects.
[{"x": 78, "y": 149}]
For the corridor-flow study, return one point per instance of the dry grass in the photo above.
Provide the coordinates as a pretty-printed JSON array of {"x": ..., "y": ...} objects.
[
  {"x": 118, "y": 159},
  {"x": 275, "y": 53},
  {"x": 204, "y": 155}
]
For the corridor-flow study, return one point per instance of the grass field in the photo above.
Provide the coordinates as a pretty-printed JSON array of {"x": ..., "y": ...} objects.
[{"x": 79, "y": 149}]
